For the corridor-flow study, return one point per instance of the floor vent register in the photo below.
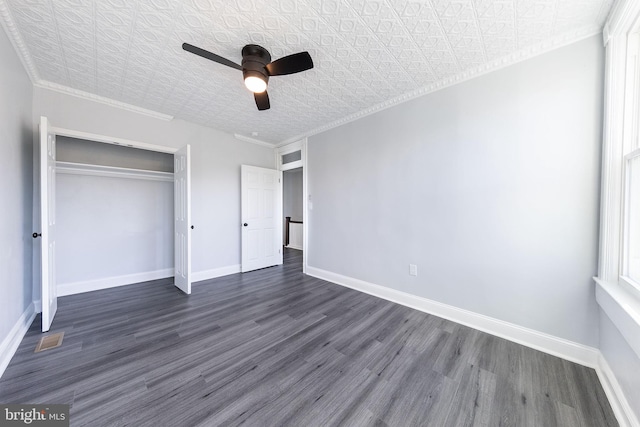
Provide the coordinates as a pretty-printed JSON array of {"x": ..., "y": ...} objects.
[{"x": 49, "y": 342}]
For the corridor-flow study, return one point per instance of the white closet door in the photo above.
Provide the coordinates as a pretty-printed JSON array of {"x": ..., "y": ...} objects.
[
  {"x": 261, "y": 218},
  {"x": 182, "y": 226},
  {"x": 49, "y": 293}
]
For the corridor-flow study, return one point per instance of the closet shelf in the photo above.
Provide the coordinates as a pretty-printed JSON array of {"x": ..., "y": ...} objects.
[{"x": 70, "y": 168}]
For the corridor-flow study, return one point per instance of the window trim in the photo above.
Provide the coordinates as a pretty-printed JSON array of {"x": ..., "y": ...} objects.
[
  {"x": 624, "y": 277},
  {"x": 619, "y": 299}
]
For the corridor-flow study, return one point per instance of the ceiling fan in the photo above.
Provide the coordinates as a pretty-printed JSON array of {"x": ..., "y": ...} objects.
[{"x": 257, "y": 67}]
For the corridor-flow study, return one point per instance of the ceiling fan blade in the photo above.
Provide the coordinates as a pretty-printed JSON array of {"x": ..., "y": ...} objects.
[
  {"x": 290, "y": 64},
  {"x": 210, "y": 56},
  {"x": 262, "y": 100}
]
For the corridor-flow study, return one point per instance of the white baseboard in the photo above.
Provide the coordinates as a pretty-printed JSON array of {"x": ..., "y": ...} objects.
[
  {"x": 11, "y": 342},
  {"x": 65, "y": 289},
  {"x": 569, "y": 350},
  {"x": 292, "y": 246},
  {"x": 619, "y": 403},
  {"x": 216, "y": 272}
]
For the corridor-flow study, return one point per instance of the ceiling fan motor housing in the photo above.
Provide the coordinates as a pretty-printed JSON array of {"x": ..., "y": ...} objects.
[{"x": 254, "y": 62}]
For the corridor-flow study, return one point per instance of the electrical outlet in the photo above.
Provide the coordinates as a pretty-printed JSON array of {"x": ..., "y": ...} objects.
[{"x": 413, "y": 269}]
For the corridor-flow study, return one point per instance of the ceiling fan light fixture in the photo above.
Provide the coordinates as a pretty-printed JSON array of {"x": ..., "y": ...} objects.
[
  {"x": 255, "y": 84},
  {"x": 257, "y": 68}
]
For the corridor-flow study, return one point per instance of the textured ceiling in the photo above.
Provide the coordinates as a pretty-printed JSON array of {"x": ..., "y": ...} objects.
[{"x": 367, "y": 54}]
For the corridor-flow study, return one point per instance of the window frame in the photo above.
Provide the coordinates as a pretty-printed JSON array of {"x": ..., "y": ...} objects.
[
  {"x": 630, "y": 148},
  {"x": 618, "y": 297},
  {"x": 624, "y": 277}
]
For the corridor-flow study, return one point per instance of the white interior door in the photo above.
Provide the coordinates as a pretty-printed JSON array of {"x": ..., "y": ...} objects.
[
  {"x": 261, "y": 218},
  {"x": 48, "y": 292},
  {"x": 182, "y": 226}
]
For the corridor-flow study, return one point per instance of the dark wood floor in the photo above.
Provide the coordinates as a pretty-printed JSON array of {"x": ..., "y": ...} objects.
[{"x": 274, "y": 347}]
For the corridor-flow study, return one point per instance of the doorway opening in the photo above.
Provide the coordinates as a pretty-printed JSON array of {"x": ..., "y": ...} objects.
[
  {"x": 291, "y": 160},
  {"x": 292, "y": 208},
  {"x": 114, "y": 211},
  {"x": 293, "y": 219}
]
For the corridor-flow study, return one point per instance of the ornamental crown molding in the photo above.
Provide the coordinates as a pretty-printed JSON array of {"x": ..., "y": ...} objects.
[
  {"x": 512, "y": 59},
  {"x": 623, "y": 16},
  {"x": 101, "y": 99},
  {"x": 253, "y": 140},
  {"x": 9, "y": 25}
]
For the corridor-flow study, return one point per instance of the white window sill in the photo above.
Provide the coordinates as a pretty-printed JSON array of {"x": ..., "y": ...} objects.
[{"x": 623, "y": 308}]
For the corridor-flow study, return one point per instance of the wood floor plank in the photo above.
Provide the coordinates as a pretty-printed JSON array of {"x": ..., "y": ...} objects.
[
  {"x": 472, "y": 403},
  {"x": 274, "y": 347}
]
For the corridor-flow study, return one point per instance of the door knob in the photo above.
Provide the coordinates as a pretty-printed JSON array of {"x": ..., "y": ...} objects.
[
  {"x": 36, "y": 235},
  {"x": 245, "y": 224},
  {"x": 192, "y": 227}
]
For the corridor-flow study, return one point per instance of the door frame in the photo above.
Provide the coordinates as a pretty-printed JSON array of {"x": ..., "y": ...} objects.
[
  {"x": 291, "y": 148},
  {"x": 59, "y": 131},
  {"x": 112, "y": 140}
]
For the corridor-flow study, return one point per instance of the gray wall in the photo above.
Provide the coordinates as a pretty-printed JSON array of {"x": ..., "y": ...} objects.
[
  {"x": 124, "y": 220},
  {"x": 216, "y": 159},
  {"x": 110, "y": 227},
  {"x": 292, "y": 194},
  {"x": 291, "y": 197},
  {"x": 490, "y": 186},
  {"x": 16, "y": 172}
]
